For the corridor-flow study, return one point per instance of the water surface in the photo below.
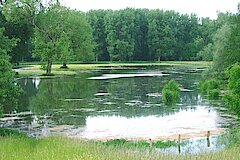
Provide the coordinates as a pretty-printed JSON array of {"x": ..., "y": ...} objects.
[{"x": 116, "y": 103}]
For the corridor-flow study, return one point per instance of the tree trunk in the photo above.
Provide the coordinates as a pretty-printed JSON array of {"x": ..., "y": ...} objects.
[
  {"x": 159, "y": 59},
  {"x": 49, "y": 67},
  {"x": 96, "y": 58}
]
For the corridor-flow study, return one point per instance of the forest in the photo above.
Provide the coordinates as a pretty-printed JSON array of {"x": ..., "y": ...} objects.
[{"x": 107, "y": 35}]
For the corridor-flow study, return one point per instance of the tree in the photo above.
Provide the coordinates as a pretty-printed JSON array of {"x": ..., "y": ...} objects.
[
  {"x": 140, "y": 35},
  {"x": 9, "y": 91},
  {"x": 23, "y": 31},
  {"x": 226, "y": 42},
  {"x": 206, "y": 53},
  {"x": 96, "y": 19},
  {"x": 80, "y": 33},
  {"x": 221, "y": 48},
  {"x": 51, "y": 41},
  {"x": 120, "y": 29},
  {"x": 59, "y": 33},
  {"x": 233, "y": 97},
  {"x": 161, "y": 35}
]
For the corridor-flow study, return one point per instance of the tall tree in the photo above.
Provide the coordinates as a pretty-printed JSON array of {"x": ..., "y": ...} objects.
[
  {"x": 80, "y": 33},
  {"x": 51, "y": 42},
  {"x": 9, "y": 91},
  {"x": 120, "y": 30},
  {"x": 23, "y": 31},
  {"x": 59, "y": 33},
  {"x": 140, "y": 35},
  {"x": 160, "y": 36},
  {"x": 96, "y": 19}
]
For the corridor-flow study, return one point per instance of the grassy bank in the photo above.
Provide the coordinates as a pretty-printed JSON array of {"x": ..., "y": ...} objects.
[
  {"x": 60, "y": 148},
  {"x": 34, "y": 68}
]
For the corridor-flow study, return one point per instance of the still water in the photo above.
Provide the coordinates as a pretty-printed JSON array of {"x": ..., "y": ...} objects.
[{"x": 117, "y": 103}]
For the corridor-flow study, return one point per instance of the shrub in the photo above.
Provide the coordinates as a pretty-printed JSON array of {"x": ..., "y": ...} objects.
[
  {"x": 210, "y": 88},
  {"x": 232, "y": 99},
  {"x": 234, "y": 79},
  {"x": 171, "y": 92},
  {"x": 214, "y": 93}
]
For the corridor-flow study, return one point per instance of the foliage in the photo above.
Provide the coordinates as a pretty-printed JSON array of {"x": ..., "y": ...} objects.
[
  {"x": 210, "y": 88},
  {"x": 8, "y": 132},
  {"x": 234, "y": 79},
  {"x": 220, "y": 48},
  {"x": 149, "y": 35},
  {"x": 59, "y": 33},
  {"x": 23, "y": 32},
  {"x": 97, "y": 22},
  {"x": 139, "y": 144},
  {"x": 206, "y": 53},
  {"x": 80, "y": 34},
  {"x": 9, "y": 91},
  {"x": 120, "y": 35},
  {"x": 171, "y": 92},
  {"x": 51, "y": 42},
  {"x": 231, "y": 138},
  {"x": 233, "y": 97},
  {"x": 226, "y": 43}
]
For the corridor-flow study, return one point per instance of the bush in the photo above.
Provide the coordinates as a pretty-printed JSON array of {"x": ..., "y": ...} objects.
[
  {"x": 214, "y": 93},
  {"x": 210, "y": 88},
  {"x": 234, "y": 79},
  {"x": 232, "y": 99},
  {"x": 171, "y": 92}
]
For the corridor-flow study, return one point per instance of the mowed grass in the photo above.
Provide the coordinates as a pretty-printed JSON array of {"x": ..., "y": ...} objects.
[
  {"x": 35, "y": 68},
  {"x": 62, "y": 148}
]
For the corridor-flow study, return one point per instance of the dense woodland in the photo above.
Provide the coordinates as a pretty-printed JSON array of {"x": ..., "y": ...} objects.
[
  {"x": 149, "y": 35},
  {"x": 106, "y": 35},
  {"x": 31, "y": 31}
]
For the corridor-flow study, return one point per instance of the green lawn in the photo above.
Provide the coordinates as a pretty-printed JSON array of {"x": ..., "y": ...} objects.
[{"x": 29, "y": 69}]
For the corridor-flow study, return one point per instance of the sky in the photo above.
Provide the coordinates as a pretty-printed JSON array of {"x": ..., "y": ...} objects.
[{"x": 203, "y": 8}]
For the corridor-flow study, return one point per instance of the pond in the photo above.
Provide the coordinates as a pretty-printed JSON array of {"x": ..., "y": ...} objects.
[{"x": 114, "y": 103}]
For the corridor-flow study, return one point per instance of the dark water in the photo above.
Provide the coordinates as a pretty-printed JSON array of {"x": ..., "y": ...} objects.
[{"x": 116, "y": 103}]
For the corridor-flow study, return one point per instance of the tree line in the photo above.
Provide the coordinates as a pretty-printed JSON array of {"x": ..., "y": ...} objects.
[
  {"x": 150, "y": 35},
  {"x": 103, "y": 35}
]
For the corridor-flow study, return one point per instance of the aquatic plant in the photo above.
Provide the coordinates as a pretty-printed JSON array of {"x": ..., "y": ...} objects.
[
  {"x": 139, "y": 144},
  {"x": 171, "y": 92}
]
